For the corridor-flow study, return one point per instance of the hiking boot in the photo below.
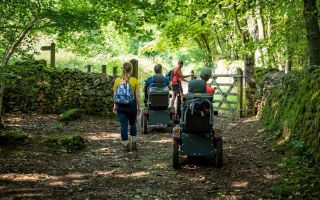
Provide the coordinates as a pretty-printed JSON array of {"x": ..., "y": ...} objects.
[
  {"x": 127, "y": 147},
  {"x": 134, "y": 145}
]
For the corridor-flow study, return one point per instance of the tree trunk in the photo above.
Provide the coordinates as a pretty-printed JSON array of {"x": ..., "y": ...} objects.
[
  {"x": 313, "y": 33},
  {"x": 262, "y": 35},
  {"x": 7, "y": 55},
  {"x": 249, "y": 83},
  {"x": 288, "y": 64},
  {"x": 248, "y": 66}
]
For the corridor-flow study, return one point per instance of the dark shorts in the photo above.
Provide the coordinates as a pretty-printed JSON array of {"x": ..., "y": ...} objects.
[{"x": 177, "y": 88}]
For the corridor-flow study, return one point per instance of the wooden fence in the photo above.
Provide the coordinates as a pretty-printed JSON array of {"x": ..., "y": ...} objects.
[
  {"x": 229, "y": 107},
  {"x": 134, "y": 63}
]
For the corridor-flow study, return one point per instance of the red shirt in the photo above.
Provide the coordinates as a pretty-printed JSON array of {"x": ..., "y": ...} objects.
[
  {"x": 209, "y": 89},
  {"x": 176, "y": 77}
]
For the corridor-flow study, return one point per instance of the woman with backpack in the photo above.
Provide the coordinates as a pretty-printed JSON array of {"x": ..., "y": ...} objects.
[{"x": 127, "y": 105}]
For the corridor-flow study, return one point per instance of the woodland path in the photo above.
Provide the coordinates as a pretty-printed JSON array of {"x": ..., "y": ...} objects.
[{"x": 103, "y": 171}]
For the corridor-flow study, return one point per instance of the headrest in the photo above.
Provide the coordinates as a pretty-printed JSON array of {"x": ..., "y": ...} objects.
[
  {"x": 158, "y": 78},
  {"x": 197, "y": 86},
  {"x": 158, "y": 85}
]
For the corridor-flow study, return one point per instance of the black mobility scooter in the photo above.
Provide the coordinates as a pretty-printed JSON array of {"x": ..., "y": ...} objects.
[
  {"x": 195, "y": 135},
  {"x": 156, "y": 112}
]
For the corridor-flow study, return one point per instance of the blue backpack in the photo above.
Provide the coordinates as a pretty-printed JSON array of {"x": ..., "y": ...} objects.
[
  {"x": 169, "y": 75},
  {"x": 123, "y": 93}
]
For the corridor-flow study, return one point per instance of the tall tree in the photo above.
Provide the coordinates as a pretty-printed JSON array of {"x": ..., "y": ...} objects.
[{"x": 313, "y": 32}]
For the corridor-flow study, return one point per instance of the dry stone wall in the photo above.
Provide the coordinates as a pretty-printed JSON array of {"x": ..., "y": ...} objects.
[{"x": 36, "y": 88}]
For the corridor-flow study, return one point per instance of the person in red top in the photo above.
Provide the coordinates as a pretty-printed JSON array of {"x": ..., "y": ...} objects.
[
  {"x": 206, "y": 75},
  {"x": 176, "y": 82}
]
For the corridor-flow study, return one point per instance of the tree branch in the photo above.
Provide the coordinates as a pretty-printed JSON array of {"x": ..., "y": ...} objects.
[{"x": 14, "y": 45}]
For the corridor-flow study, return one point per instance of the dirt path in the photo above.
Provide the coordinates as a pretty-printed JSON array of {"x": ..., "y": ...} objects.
[{"x": 103, "y": 171}]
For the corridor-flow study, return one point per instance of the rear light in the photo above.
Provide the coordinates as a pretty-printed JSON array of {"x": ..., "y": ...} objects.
[
  {"x": 217, "y": 134},
  {"x": 176, "y": 132},
  {"x": 217, "y": 131}
]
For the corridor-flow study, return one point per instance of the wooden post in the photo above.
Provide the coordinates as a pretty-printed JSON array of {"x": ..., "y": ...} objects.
[
  {"x": 53, "y": 55},
  {"x": 240, "y": 93},
  {"x": 88, "y": 68},
  {"x": 52, "y": 49},
  {"x": 104, "y": 69},
  {"x": 134, "y": 63},
  {"x": 115, "y": 71}
]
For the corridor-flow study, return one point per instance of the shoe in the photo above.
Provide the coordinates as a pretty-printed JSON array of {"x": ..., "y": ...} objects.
[
  {"x": 126, "y": 147},
  {"x": 134, "y": 146}
]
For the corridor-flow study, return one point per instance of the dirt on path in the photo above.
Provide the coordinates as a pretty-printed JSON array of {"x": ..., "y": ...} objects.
[{"x": 103, "y": 170}]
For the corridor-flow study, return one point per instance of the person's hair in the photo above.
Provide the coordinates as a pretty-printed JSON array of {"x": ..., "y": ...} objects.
[
  {"x": 158, "y": 69},
  {"x": 180, "y": 62},
  {"x": 126, "y": 70}
]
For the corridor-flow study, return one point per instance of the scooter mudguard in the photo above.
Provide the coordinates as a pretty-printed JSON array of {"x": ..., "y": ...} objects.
[{"x": 196, "y": 144}]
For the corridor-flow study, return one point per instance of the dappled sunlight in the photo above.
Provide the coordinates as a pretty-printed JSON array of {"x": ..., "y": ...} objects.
[
  {"x": 33, "y": 177},
  {"x": 271, "y": 176},
  {"x": 103, "y": 173},
  {"x": 198, "y": 178},
  {"x": 228, "y": 147},
  {"x": 240, "y": 184},
  {"x": 139, "y": 174},
  {"x": 76, "y": 175},
  {"x": 50, "y": 180},
  {"x": 162, "y": 141},
  {"x": 102, "y": 136},
  {"x": 161, "y": 165},
  {"x": 250, "y": 120},
  {"x": 56, "y": 183}
]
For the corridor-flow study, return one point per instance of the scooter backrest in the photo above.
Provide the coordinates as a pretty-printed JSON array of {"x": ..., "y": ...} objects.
[{"x": 197, "y": 86}]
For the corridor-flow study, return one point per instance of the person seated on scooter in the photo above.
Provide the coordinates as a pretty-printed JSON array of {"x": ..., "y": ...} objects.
[
  {"x": 205, "y": 75},
  {"x": 197, "y": 108},
  {"x": 157, "y": 77}
]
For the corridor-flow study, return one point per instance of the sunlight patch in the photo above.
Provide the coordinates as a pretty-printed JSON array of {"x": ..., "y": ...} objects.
[
  {"x": 271, "y": 176},
  {"x": 76, "y": 175},
  {"x": 104, "y": 173},
  {"x": 139, "y": 174},
  {"x": 240, "y": 184},
  {"x": 56, "y": 183},
  {"x": 22, "y": 177},
  {"x": 163, "y": 141},
  {"x": 161, "y": 165},
  {"x": 102, "y": 136},
  {"x": 198, "y": 178}
]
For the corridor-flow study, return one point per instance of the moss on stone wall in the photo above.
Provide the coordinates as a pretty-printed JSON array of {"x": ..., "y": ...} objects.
[
  {"x": 36, "y": 88},
  {"x": 292, "y": 110}
]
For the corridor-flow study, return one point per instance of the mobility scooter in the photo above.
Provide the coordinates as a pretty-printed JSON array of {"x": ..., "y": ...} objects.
[
  {"x": 156, "y": 112},
  {"x": 195, "y": 135}
]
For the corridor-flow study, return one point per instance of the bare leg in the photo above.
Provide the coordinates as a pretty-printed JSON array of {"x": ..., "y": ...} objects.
[
  {"x": 181, "y": 95},
  {"x": 173, "y": 99}
]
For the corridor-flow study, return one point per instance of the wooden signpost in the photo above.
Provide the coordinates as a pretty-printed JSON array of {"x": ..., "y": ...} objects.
[{"x": 52, "y": 49}]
